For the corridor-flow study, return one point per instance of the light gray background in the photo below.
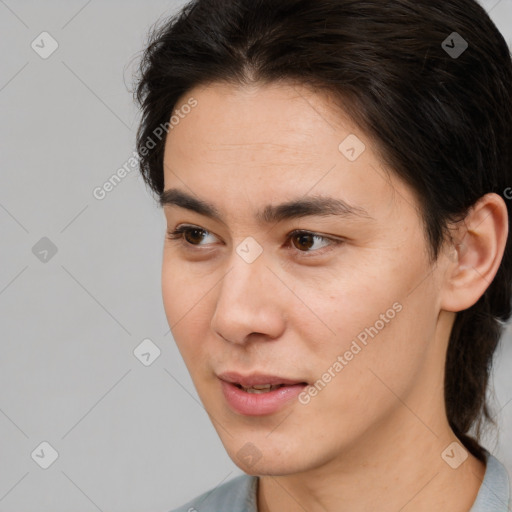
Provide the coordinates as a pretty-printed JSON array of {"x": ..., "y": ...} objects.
[{"x": 129, "y": 437}]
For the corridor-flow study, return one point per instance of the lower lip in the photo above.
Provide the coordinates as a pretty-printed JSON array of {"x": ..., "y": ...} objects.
[{"x": 259, "y": 404}]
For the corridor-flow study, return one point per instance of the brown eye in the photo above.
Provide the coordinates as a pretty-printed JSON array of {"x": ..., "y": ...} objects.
[
  {"x": 189, "y": 235},
  {"x": 304, "y": 240},
  {"x": 193, "y": 235}
]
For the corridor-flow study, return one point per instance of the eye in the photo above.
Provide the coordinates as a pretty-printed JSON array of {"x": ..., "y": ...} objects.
[
  {"x": 188, "y": 234},
  {"x": 302, "y": 240},
  {"x": 306, "y": 239}
]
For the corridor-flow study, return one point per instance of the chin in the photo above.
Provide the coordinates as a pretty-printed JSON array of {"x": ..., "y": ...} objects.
[
  {"x": 271, "y": 467},
  {"x": 259, "y": 456}
]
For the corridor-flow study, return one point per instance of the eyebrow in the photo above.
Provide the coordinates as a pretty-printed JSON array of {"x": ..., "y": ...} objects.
[{"x": 297, "y": 208}]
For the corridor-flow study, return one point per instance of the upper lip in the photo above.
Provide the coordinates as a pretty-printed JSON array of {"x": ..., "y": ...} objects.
[{"x": 257, "y": 379}]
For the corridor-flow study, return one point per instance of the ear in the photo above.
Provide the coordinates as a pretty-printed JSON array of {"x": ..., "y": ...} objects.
[{"x": 475, "y": 253}]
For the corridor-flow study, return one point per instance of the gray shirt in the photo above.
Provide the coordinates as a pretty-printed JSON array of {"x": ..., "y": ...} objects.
[{"x": 240, "y": 494}]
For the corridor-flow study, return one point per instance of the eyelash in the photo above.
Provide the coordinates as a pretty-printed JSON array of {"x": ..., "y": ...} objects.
[{"x": 178, "y": 235}]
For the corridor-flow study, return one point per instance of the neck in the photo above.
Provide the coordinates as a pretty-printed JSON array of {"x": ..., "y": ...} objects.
[{"x": 397, "y": 466}]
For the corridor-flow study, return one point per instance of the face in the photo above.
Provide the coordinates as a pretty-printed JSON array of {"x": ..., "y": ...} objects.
[{"x": 339, "y": 304}]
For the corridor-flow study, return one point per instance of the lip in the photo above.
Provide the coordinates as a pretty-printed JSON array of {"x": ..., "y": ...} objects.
[
  {"x": 258, "y": 404},
  {"x": 256, "y": 379}
]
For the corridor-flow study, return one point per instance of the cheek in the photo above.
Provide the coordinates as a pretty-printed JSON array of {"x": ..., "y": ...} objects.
[
  {"x": 383, "y": 335},
  {"x": 369, "y": 288},
  {"x": 388, "y": 366},
  {"x": 172, "y": 288},
  {"x": 344, "y": 304},
  {"x": 374, "y": 316},
  {"x": 183, "y": 290},
  {"x": 184, "y": 303}
]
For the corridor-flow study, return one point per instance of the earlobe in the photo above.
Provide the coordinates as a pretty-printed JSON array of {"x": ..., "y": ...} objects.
[{"x": 475, "y": 253}]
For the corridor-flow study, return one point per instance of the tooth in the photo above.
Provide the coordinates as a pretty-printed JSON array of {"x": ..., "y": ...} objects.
[{"x": 261, "y": 388}]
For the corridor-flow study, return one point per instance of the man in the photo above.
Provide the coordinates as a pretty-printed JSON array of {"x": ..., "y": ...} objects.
[{"x": 337, "y": 268}]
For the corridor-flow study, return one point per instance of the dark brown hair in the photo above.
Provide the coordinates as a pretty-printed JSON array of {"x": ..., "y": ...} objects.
[{"x": 442, "y": 121}]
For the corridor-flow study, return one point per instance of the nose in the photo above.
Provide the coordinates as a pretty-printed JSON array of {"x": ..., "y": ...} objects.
[{"x": 251, "y": 302}]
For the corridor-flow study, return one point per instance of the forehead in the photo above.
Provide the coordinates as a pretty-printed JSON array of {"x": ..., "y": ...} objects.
[
  {"x": 270, "y": 143},
  {"x": 267, "y": 120}
]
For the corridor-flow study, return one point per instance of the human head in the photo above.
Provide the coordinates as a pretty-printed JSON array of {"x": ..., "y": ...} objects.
[{"x": 442, "y": 125}]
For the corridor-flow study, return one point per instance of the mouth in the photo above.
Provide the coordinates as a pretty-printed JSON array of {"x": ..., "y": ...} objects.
[
  {"x": 258, "y": 394},
  {"x": 259, "y": 388}
]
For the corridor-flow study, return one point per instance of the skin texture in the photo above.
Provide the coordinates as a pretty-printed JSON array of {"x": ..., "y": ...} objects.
[{"x": 372, "y": 439}]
